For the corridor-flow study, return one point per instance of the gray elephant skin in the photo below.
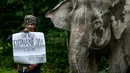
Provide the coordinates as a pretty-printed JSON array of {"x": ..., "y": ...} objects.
[{"x": 96, "y": 27}]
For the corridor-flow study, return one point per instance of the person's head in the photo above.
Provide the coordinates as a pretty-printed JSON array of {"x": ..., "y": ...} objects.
[{"x": 30, "y": 22}]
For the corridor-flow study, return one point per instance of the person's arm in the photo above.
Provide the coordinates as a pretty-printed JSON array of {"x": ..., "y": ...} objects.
[{"x": 33, "y": 66}]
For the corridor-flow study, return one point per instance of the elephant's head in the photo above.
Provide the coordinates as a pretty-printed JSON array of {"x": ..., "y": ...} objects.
[{"x": 98, "y": 15}]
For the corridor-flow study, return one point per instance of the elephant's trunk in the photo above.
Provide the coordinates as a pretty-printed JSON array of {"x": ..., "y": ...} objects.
[
  {"x": 79, "y": 50},
  {"x": 80, "y": 40}
]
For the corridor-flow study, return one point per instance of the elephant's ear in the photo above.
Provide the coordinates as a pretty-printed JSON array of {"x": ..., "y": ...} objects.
[
  {"x": 118, "y": 27},
  {"x": 60, "y": 15}
]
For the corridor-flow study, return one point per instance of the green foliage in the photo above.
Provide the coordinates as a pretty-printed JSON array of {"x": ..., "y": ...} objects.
[
  {"x": 103, "y": 71},
  {"x": 12, "y": 13},
  {"x": 103, "y": 65},
  {"x": 7, "y": 70},
  {"x": 57, "y": 58},
  {"x": 6, "y": 62},
  {"x": 5, "y": 48},
  {"x": 1, "y": 47},
  {"x": 11, "y": 17}
]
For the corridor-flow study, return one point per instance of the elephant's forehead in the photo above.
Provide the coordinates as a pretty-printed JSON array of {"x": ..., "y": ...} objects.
[
  {"x": 100, "y": 2},
  {"x": 100, "y": 5}
]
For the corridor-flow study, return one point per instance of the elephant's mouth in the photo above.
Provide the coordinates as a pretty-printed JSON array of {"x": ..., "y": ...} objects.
[{"x": 101, "y": 35}]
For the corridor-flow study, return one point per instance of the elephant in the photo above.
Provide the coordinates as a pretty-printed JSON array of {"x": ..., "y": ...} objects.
[{"x": 96, "y": 27}]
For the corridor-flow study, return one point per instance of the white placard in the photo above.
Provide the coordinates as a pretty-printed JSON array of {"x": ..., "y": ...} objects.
[{"x": 29, "y": 48}]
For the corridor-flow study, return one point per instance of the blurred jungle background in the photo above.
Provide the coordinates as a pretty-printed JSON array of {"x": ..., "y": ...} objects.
[{"x": 12, "y": 13}]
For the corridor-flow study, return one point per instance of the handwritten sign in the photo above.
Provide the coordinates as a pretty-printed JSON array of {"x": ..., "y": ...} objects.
[{"x": 29, "y": 48}]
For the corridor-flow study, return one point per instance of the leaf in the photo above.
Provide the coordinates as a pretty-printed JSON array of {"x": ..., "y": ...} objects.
[
  {"x": 11, "y": 1},
  {"x": 1, "y": 48},
  {"x": 103, "y": 71}
]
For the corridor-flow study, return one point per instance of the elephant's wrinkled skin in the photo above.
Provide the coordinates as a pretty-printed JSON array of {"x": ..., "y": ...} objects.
[{"x": 96, "y": 26}]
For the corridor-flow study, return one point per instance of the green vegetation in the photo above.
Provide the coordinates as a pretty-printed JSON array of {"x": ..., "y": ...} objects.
[
  {"x": 12, "y": 13},
  {"x": 7, "y": 70}
]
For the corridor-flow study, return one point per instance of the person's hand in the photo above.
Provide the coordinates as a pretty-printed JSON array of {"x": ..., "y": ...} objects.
[
  {"x": 25, "y": 30},
  {"x": 33, "y": 66},
  {"x": 24, "y": 68}
]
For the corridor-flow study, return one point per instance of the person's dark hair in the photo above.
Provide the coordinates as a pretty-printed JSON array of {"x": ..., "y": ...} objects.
[{"x": 30, "y": 19}]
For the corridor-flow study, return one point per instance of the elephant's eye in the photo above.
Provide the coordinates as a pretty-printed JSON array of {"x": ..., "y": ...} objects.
[{"x": 70, "y": 8}]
